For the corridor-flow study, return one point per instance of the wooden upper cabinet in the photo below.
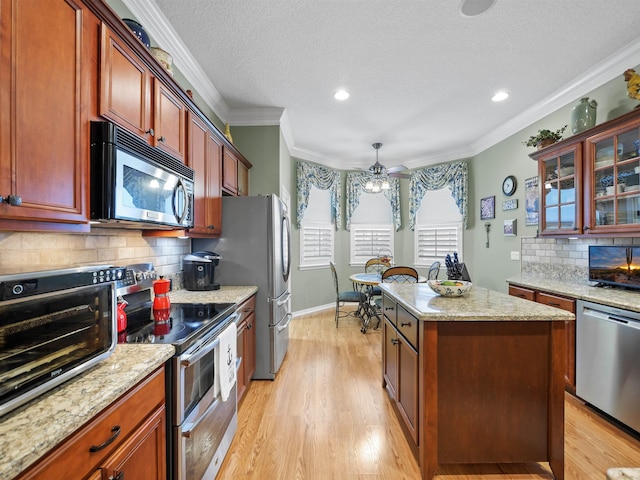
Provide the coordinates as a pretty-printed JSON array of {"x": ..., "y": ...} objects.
[
  {"x": 169, "y": 121},
  {"x": 205, "y": 158},
  {"x": 136, "y": 100},
  {"x": 47, "y": 85},
  {"x": 243, "y": 179},
  {"x": 229, "y": 172}
]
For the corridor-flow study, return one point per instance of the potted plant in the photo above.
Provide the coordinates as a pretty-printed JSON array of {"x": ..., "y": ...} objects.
[{"x": 544, "y": 138}]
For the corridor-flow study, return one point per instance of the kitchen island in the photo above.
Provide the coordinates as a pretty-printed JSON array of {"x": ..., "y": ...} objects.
[{"x": 475, "y": 379}]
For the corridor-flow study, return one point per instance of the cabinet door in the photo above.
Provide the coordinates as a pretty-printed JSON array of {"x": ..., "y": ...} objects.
[
  {"x": 143, "y": 455},
  {"x": 408, "y": 385},
  {"x": 390, "y": 357},
  {"x": 561, "y": 191},
  {"x": 250, "y": 348},
  {"x": 230, "y": 172},
  {"x": 614, "y": 165},
  {"x": 125, "y": 86},
  {"x": 243, "y": 179},
  {"x": 569, "y": 305},
  {"x": 204, "y": 157},
  {"x": 169, "y": 115},
  {"x": 240, "y": 352},
  {"x": 45, "y": 93}
]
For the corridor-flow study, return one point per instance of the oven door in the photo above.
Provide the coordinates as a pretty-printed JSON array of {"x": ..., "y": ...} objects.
[{"x": 203, "y": 440}]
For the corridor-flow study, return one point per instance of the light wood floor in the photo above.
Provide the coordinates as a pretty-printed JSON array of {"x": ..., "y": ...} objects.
[{"x": 326, "y": 416}]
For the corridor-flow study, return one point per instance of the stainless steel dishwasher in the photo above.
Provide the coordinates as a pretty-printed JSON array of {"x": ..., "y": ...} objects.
[{"x": 608, "y": 360}]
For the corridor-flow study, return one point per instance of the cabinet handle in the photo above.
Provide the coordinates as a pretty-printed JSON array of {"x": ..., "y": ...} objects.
[
  {"x": 211, "y": 227},
  {"x": 408, "y": 324},
  {"x": 388, "y": 308},
  {"x": 521, "y": 295},
  {"x": 115, "y": 432},
  {"x": 13, "y": 200},
  {"x": 585, "y": 227},
  {"x": 553, "y": 304},
  {"x": 162, "y": 139},
  {"x": 395, "y": 341},
  {"x": 151, "y": 132},
  {"x": 119, "y": 476}
]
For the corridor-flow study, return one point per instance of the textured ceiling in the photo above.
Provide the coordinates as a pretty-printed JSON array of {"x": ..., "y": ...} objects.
[{"x": 420, "y": 73}]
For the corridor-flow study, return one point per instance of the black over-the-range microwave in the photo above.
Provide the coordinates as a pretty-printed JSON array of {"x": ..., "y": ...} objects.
[{"x": 136, "y": 185}]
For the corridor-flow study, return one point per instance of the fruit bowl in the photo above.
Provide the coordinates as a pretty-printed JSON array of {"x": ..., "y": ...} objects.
[{"x": 449, "y": 288}]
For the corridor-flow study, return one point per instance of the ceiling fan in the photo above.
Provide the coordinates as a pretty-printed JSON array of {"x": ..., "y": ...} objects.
[{"x": 377, "y": 169}]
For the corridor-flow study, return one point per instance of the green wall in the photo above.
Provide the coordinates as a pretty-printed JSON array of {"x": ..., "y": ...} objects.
[{"x": 261, "y": 146}]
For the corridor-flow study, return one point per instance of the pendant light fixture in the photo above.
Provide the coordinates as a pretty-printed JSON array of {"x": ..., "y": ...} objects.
[{"x": 379, "y": 180}]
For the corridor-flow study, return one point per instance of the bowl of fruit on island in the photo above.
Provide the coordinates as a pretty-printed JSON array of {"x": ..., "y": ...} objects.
[{"x": 450, "y": 288}]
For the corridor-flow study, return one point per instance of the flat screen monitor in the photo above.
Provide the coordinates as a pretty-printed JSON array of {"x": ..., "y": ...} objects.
[{"x": 615, "y": 265}]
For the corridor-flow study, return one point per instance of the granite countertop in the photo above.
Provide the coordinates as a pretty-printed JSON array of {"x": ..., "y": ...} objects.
[
  {"x": 614, "y": 297},
  {"x": 226, "y": 294},
  {"x": 479, "y": 304},
  {"x": 623, "y": 474},
  {"x": 30, "y": 431}
]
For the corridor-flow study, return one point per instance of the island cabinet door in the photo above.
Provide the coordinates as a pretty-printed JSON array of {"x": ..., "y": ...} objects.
[
  {"x": 408, "y": 386},
  {"x": 390, "y": 356}
]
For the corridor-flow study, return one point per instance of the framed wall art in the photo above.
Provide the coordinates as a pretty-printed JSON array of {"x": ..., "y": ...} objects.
[
  {"x": 531, "y": 201},
  {"x": 510, "y": 228},
  {"x": 511, "y": 204},
  {"x": 488, "y": 208}
]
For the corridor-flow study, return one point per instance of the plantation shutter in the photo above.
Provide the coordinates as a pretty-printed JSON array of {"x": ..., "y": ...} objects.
[
  {"x": 434, "y": 242},
  {"x": 316, "y": 248},
  {"x": 368, "y": 241}
]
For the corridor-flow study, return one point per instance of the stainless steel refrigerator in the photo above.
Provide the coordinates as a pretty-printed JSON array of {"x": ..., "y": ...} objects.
[{"x": 255, "y": 250}]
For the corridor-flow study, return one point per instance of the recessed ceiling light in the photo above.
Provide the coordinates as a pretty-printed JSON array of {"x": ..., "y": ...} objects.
[
  {"x": 471, "y": 8},
  {"x": 341, "y": 95},
  {"x": 500, "y": 96}
]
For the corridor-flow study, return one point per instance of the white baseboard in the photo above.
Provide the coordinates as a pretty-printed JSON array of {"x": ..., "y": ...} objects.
[{"x": 319, "y": 308}]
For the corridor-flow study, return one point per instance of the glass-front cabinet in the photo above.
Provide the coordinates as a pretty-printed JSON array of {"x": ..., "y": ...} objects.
[
  {"x": 590, "y": 183},
  {"x": 561, "y": 191},
  {"x": 612, "y": 159}
]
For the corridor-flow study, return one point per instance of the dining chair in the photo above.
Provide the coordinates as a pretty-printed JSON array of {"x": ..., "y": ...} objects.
[
  {"x": 400, "y": 275},
  {"x": 349, "y": 296},
  {"x": 434, "y": 270},
  {"x": 376, "y": 265}
]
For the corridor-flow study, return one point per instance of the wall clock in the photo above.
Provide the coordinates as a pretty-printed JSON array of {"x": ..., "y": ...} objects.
[{"x": 509, "y": 185}]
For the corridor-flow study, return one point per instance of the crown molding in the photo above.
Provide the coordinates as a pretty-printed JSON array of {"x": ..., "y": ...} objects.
[
  {"x": 163, "y": 33},
  {"x": 255, "y": 116}
]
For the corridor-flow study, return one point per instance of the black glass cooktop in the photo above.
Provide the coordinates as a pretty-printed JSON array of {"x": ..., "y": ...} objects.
[{"x": 186, "y": 322}]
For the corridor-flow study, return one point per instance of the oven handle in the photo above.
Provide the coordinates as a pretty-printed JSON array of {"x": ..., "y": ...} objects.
[
  {"x": 190, "y": 427},
  {"x": 202, "y": 348}
]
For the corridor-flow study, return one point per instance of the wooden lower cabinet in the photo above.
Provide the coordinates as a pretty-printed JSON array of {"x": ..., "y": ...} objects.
[
  {"x": 246, "y": 348},
  {"x": 400, "y": 370},
  {"x": 568, "y": 304},
  {"x": 125, "y": 441}
]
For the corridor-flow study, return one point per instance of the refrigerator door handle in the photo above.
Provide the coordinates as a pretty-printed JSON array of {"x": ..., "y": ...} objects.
[
  {"x": 290, "y": 317},
  {"x": 286, "y": 298}
]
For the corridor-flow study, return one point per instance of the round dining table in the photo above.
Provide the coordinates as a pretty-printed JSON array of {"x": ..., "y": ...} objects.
[{"x": 365, "y": 282}]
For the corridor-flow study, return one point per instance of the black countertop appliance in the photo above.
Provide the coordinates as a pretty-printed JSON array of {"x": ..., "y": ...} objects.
[{"x": 198, "y": 268}]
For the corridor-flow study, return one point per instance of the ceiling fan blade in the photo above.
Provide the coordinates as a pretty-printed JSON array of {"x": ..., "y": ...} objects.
[
  {"x": 400, "y": 175},
  {"x": 396, "y": 169}
]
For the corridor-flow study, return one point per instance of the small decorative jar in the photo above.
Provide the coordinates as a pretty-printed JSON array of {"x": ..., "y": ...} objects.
[
  {"x": 138, "y": 30},
  {"x": 583, "y": 115}
]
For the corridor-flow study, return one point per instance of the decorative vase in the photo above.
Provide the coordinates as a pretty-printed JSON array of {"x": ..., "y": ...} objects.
[
  {"x": 227, "y": 132},
  {"x": 138, "y": 30},
  {"x": 583, "y": 115}
]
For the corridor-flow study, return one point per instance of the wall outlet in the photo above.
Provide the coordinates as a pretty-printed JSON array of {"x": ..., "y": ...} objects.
[{"x": 515, "y": 255}]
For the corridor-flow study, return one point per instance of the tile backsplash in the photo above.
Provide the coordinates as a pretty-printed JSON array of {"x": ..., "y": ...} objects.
[
  {"x": 32, "y": 251},
  {"x": 563, "y": 258}
]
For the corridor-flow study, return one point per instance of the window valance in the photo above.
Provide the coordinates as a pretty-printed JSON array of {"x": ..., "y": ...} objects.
[
  {"x": 452, "y": 175},
  {"x": 355, "y": 187},
  {"x": 321, "y": 177}
]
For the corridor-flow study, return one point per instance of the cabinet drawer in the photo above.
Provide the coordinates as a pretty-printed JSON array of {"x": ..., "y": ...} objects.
[
  {"x": 522, "y": 293},
  {"x": 74, "y": 454},
  {"x": 389, "y": 309},
  {"x": 408, "y": 326},
  {"x": 246, "y": 308},
  {"x": 559, "y": 302}
]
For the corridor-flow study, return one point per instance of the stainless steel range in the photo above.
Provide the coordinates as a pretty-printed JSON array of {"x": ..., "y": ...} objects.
[{"x": 200, "y": 424}]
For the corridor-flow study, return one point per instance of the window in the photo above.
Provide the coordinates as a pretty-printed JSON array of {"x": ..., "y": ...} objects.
[
  {"x": 317, "y": 231},
  {"x": 438, "y": 229},
  {"x": 372, "y": 231}
]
